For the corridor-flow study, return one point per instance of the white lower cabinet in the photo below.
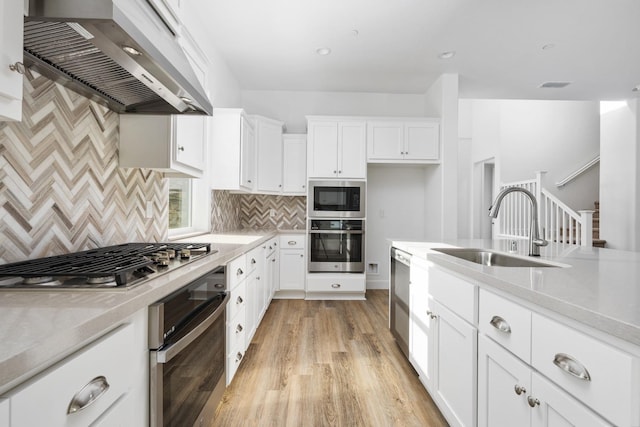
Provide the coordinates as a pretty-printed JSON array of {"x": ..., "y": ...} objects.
[
  {"x": 455, "y": 357},
  {"x": 336, "y": 286},
  {"x": 91, "y": 386},
  {"x": 292, "y": 266},
  {"x": 511, "y": 393},
  {"x": 422, "y": 325}
]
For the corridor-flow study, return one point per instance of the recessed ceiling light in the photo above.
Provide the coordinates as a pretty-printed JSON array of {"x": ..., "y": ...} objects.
[
  {"x": 447, "y": 55},
  {"x": 548, "y": 46},
  {"x": 323, "y": 51},
  {"x": 131, "y": 50},
  {"x": 554, "y": 85}
]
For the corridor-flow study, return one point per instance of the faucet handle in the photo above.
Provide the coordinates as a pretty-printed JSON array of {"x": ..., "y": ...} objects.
[{"x": 540, "y": 242}]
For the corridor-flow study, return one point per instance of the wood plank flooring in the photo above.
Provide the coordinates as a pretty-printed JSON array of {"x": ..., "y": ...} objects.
[{"x": 326, "y": 363}]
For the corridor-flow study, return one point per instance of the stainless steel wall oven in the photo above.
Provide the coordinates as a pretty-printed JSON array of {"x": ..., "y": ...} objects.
[
  {"x": 336, "y": 245},
  {"x": 187, "y": 358},
  {"x": 336, "y": 199}
]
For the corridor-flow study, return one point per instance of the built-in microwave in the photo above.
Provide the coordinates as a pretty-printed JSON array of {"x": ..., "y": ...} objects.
[{"x": 336, "y": 199}]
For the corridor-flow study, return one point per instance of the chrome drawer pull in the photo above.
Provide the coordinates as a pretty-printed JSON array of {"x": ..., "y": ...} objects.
[
  {"x": 533, "y": 402},
  {"x": 500, "y": 324},
  {"x": 238, "y": 357},
  {"x": 292, "y": 242},
  {"x": 431, "y": 314},
  {"x": 571, "y": 366},
  {"x": 239, "y": 272},
  {"x": 239, "y": 300},
  {"x": 239, "y": 328},
  {"x": 88, "y": 394},
  {"x": 519, "y": 389},
  {"x": 335, "y": 285}
]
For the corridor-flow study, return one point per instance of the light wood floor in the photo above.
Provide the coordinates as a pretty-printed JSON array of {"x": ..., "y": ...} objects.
[{"x": 326, "y": 363}]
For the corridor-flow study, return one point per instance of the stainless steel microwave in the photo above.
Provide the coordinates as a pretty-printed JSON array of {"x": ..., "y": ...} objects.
[{"x": 336, "y": 199}]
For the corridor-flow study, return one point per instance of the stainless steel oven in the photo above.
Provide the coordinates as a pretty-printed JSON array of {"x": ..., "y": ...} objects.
[
  {"x": 187, "y": 357},
  {"x": 336, "y": 199},
  {"x": 336, "y": 245}
]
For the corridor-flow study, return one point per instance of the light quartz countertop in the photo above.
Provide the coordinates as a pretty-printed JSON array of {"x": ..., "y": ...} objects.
[
  {"x": 598, "y": 287},
  {"x": 41, "y": 327}
]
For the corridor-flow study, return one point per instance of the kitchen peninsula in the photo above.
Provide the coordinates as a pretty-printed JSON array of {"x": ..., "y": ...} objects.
[{"x": 561, "y": 339}]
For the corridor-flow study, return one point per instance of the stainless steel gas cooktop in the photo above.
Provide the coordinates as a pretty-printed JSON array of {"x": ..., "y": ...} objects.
[{"x": 119, "y": 266}]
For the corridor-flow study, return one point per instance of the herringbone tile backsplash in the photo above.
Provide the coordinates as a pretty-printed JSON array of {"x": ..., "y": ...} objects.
[
  {"x": 61, "y": 189},
  {"x": 253, "y": 211}
]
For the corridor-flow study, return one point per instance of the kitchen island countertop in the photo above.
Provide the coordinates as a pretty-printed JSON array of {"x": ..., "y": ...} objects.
[
  {"x": 598, "y": 287},
  {"x": 42, "y": 327}
]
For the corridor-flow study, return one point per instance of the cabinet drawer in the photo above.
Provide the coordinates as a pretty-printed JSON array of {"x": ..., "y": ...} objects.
[
  {"x": 253, "y": 259},
  {"x": 233, "y": 361},
  {"x": 237, "y": 301},
  {"x": 236, "y": 330},
  {"x": 237, "y": 271},
  {"x": 456, "y": 294},
  {"x": 613, "y": 389},
  {"x": 506, "y": 322},
  {"x": 46, "y": 400},
  {"x": 335, "y": 283},
  {"x": 292, "y": 241}
]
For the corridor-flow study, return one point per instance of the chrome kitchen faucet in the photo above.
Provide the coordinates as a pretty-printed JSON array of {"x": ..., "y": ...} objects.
[{"x": 534, "y": 237}]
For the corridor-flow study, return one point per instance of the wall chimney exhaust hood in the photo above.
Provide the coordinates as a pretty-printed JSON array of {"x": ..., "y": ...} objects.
[{"x": 117, "y": 52}]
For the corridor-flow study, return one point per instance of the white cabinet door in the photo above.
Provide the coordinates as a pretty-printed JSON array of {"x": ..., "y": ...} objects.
[
  {"x": 385, "y": 140},
  {"x": 421, "y": 141},
  {"x": 556, "y": 408},
  {"x": 11, "y": 32},
  {"x": 352, "y": 150},
  {"x": 269, "y": 148},
  {"x": 456, "y": 364},
  {"x": 292, "y": 268},
  {"x": 5, "y": 420},
  {"x": 247, "y": 155},
  {"x": 323, "y": 149},
  {"x": 189, "y": 149},
  {"x": 504, "y": 382},
  {"x": 294, "y": 164},
  {"x": 422, "y": 326}
]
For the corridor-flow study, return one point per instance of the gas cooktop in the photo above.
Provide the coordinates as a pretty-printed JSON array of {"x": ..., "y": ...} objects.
[{"x": 118, "y": 266}]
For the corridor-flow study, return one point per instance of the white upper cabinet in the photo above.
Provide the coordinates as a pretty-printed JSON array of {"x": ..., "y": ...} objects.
[
  {"x": 269, "y": 150},
  {"x": 11, "y": 32},
  {"x": 403, "y": 140},
  {"x": 337, "y": 148},
  {"x": 171, "y": 144},
  {"x": 232, "y": 149},
  {"x": 294, "y": 161}
]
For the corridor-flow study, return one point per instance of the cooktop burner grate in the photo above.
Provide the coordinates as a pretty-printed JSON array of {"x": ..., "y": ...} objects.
[{"x": 118, "y": 262}]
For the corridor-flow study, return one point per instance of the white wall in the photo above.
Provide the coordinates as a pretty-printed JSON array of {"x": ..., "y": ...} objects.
[
  {"x": 291, "y": 107},
  {"x": 619, "y": 187},
  {"x": 395, "y": 209},
  {"x": 555, "y": 136}
]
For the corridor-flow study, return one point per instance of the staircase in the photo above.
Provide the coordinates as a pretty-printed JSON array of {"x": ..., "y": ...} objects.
[
  {"x": 558, "y": 222},
  {"x": 597, "y": 241}
]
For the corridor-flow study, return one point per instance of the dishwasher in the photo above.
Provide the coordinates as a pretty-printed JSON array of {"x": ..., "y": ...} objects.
[{"x": 399, "y": 301}]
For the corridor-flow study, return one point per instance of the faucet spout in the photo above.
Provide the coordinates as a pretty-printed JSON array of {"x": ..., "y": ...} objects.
[{"x": 534, "y": 237}]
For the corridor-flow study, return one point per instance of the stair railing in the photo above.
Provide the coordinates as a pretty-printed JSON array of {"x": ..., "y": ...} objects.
[{"x": 558, "y": 222}]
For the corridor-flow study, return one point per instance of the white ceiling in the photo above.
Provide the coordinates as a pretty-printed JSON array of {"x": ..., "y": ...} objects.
[{"x": 271, "y": 44}]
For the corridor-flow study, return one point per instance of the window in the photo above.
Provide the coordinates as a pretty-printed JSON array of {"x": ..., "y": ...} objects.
[
  {"x": 180, "y": 207},
  {"x": 189, "y": 209}
]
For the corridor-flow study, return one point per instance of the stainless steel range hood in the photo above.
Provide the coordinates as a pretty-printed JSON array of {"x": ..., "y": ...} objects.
[{"x": 117, "y": 52}]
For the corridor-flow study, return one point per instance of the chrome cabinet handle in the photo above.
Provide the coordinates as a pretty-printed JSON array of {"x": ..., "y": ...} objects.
[
  {"x": 239, "y": 300},
  {"x": 533, "y": 402},
  {"x": 431, "y": 314},
  {"x": 253, "y": 261},
  {"x": 335, "y": 285},
  {"x": 500, "y": 324},
  {"x": 571, "y": 366},
  {"x": 335, "y": 171},
  {"x": 301, "y": 256},
  {"x": 18, "y": 67},
  {"x": 239, "y": 328},
  {"x": 88, "y": 394},
  {"x": 238, "y": 357},
  {"x": 292, "y": 243},
  {"x": 239, "y": 272},
  {"x": 180, "y": 148},
  {"x": 519, "y": 389}
]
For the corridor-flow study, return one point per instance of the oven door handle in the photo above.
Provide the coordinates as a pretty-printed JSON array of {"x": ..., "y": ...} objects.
[
  {"x": 165, "y": 355},
  {"x": 336, "y": 232}
]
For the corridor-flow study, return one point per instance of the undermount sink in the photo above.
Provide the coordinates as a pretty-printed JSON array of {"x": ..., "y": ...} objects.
[{"x": 492, "y": 258}]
